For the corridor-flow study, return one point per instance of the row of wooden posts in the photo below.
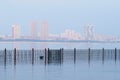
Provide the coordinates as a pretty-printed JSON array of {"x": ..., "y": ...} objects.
[
  {"x": 33, "y": 52},
  {"x": 61, "y": 50}
]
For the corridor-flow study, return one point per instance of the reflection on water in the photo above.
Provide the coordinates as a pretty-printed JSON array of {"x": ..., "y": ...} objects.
[
  {"x": 57, "y": 56},
  {"x": 60, "y": 64}
]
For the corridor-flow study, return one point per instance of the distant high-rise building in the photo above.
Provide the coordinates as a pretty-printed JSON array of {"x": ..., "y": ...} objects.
[
  {"x": 44, "y": 35},
  {"x": 15, "y": 31},
  {"x": 33, "y": 30},
  {"x": 89, "y": 35}
]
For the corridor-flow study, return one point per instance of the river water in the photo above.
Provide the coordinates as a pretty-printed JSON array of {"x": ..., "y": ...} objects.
[
  {"x": 56, "y": 45},
  {"x": 82, "y": 63}
]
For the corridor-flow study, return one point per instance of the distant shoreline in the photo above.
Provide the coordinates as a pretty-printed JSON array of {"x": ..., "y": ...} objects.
[{"x": 62, "y": 41}]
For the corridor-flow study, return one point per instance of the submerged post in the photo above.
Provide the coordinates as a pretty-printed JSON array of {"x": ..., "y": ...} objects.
[
  {"x": 62, "y": 55},
  {"x": 115, "y": 54},
  {"x": 5, "y": 56},
  {"x": 74, "y": 55},
  {"x": 48, "y": 56},
  {"x": 103, "y": 51},
  {"x": 14, "y": 56},
  {"x": 48, "y": 50},
  {"x": 32, "y": 56},
  {"x": 89, "y": 55},
  {"x": 45, "y": 55}
]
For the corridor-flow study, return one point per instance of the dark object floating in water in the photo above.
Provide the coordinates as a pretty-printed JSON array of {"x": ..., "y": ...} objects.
[{"x": 41, "y": 57}]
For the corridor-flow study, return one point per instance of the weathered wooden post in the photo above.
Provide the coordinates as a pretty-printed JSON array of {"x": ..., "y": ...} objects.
[
  {"x": 5, "y": 55},
  {"x": 89, "y": 55},
  {"x": 48, "y": 50},
  {"x": 14, "y": 56},
  {"x": 103, "y": 51},
  {"x": 45, "y": 55},
  {"x": 62, "y": 54},
  {"x": 32, "y": 56},
  {"x": 48, "y": 56},
  {"x": 74, "y": 55},
  {"x": 115, "y": 54}
]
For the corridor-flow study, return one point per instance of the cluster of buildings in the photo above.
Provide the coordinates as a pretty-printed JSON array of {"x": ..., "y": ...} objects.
[
  {"x": 68, "y": 34},
  {"x": 44, "y": 35}
]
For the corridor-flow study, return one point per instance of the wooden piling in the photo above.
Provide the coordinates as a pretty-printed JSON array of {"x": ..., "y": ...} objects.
[
  {"x": 32, "y": 56},
  {"x": 103, "y": 51},
  {"x": 48, "y": 56},
  {"x": 74, "y": 55},
  {"x": 89, "y": 55},
  {"x": 48, "y": 50},
  {"x": 45, "y": 55},
  {"x": 5, "y": 56},
  {"x": 115, "y": 54},
  {"x": 14, "y": 56},
  {"x": 62, "y": 54}
]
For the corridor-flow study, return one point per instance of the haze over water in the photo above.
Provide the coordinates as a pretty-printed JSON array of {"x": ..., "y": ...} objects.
[{"x": 89, "y": 61}]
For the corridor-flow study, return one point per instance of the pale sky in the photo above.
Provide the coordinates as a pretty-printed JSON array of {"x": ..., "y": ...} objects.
[{"x": 61, "y": 15}]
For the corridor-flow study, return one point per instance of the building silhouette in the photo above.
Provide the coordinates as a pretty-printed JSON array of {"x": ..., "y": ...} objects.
[
  {"x": 15, "y": 31},
  {"x": 33, "y": 30},
  {"x": 44, "y": 35},
  {"x": 89, "y": 35}
]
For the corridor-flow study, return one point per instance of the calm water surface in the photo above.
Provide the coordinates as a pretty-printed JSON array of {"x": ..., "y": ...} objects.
[
  {"x": 55, "y": 45},
  {"x": 67, "y": 66}
]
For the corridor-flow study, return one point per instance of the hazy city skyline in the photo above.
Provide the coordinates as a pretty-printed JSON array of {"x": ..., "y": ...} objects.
[
  {"x": 59, "y": 39},
  {"x": 43, "y": 33},
  {"x": 61, "y": 15}
]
